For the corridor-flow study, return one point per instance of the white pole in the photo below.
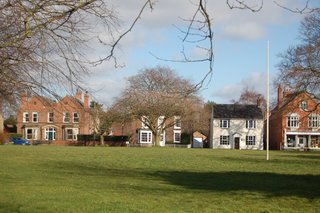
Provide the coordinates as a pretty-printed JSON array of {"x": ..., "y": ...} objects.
[{"x": 268, "y": 98}]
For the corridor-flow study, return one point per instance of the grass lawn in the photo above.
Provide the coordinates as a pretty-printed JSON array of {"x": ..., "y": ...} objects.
[{"x": 97, "y": 179}]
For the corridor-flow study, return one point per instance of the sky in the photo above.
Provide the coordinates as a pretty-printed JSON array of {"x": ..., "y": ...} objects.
[{"x": 240, "y": 46}]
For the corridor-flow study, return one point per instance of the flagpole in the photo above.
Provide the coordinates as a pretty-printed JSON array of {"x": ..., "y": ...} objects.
[{"x": 268, "y": 97}]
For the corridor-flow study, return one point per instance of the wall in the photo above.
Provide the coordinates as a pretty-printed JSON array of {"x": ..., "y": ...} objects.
[{"x": 238, "y": 129}]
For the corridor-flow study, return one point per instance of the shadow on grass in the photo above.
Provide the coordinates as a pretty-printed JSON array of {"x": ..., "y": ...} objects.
[{"x": 272, "y": 184}]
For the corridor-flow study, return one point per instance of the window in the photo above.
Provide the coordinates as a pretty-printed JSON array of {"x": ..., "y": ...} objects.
[
  {"x": 160, "y": 121},
  {"x": 145, "y": 137},
  {"x": 71, "y": 134},
  {"x": 177, "y": 122},
  {"x": 50, "y": 133},
  {"x": 314, "y": 121},
  {"x": 25, "y": 118},
  {"x": 35, "y": 117},
  {"x": 177, "y": 136},
  {"x": 250, "y": 140},
  {"x": 293, "y": 121},
  {"x": 66, "y": 117},
  {"x": 50, "y": 117},
  {"x": 144, "y": 123},
  {"x": 31, "y": 134},
  {"x": 250, "y": 124},
  {"x": 224, "y": 140},
  {"x": 304, "y": 105},
  {"x": 224, "y": 123},
  {"x": 75, "y": 117}
]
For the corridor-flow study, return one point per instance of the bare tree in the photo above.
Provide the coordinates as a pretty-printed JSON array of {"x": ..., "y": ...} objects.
[
  {"x": 300, "y": 64},
  {"x": 43, "y": 43},
  {"x": 250, "y": 96},
  {"x": 155, "y": 96}
]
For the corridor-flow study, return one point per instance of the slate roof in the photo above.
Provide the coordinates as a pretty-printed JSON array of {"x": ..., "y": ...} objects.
[{"x": 240, "y": 111}]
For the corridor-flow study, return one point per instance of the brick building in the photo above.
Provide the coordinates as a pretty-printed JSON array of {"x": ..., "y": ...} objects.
[
  {"x": 295, "y": 121},
  {"x": 42, "y": 119},
  {"x": 139, "y": 133}
]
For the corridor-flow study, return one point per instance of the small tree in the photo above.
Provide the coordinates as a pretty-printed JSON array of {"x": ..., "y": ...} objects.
[{"x": 155, "y": 96}]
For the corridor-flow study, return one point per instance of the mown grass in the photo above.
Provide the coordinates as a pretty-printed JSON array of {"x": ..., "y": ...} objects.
[{"x": 96, "y": 179}]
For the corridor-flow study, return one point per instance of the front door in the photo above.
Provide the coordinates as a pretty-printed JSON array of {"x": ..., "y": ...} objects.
[
  {"x": 236, "y": 143},
  {"x": 302, "y": 141}
]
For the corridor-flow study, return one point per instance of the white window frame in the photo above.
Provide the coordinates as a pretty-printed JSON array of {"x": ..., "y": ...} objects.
[
  {"x": 224, "y": 140},
  {"x": 147, "y": 134},
  {"x": 66, "y": 119},
  {"x": 46, "y": 133},
  {"x": 250, "y": 140},
  {"x": 251, "y": 124},
  {"x": 224, "y": 123},
  {"x": 304, "y": 105},
  {"x": 25, "y": 118},
  {"x": 144, "y": 122},
  {"x": 314, "y": 121},
  {"x": 160, "y": 122},
  {"x": 50, "y": 118},
  {"x": 74, "y": 134},
  {"x": 175, "y": 134},
  {"x": 35, "y": 117},
  {"x": 34, "y": 133},
  {"x": 293, "y": 121},
  {"x": 177, "y": 122},
  {"x": 76, "y": 117}
]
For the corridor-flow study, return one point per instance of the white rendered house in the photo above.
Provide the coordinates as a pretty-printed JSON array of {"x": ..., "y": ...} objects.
[{"x": 236, "y": 126}]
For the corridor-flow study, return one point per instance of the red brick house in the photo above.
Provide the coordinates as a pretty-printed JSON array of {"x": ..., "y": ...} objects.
[
  {"x": 139, "y": 133},
  {"x": 295, "y": 121},
  {"x": 41, "y": 119}
]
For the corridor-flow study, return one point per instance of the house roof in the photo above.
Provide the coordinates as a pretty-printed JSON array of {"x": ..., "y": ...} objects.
[{"x": 240, "y": 111}]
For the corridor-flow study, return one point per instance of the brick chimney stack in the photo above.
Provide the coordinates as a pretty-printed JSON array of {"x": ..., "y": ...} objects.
[
  {"x": 86, "y": 100},
  {"x": 280, "y": 96},
  {"x": 79, "y": 95}
]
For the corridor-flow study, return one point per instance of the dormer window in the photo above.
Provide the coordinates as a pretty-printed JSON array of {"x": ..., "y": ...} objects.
[{"x": 304, "y": 105}]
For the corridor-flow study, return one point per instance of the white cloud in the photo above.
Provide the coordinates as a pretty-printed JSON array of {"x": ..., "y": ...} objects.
[
  {"x": 255, "y": 81},
  {"x": 249, "y": 30}
]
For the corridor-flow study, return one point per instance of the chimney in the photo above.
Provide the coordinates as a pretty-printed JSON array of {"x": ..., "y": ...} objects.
[
  {"x": 280, "y": 96},
  {"x": 23, "y": 99},
  {"x": 79, "y": 95},
  {"x": 259, "y": 101},
  {"x": 86, "y": 100},
  {"x": 287, "y": 92}
]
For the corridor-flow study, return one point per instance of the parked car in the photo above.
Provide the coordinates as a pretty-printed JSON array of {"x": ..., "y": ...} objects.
[{"x": 19, "y": 141}]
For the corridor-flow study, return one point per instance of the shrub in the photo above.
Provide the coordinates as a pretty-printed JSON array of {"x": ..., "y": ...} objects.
[{"x": 3, "y": 138}]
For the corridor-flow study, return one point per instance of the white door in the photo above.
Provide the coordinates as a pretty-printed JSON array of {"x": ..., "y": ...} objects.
[{"x": 163, "y": 139}]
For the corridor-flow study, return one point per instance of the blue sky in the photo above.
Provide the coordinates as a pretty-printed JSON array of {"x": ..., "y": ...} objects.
[{"x": 240, "y": 46}]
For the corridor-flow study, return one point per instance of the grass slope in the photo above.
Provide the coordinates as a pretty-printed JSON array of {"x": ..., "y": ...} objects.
[{"x": 95, "y": 179}]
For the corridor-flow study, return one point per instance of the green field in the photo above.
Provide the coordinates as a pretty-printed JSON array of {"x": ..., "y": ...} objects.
[{"x": 106, "y": 179}]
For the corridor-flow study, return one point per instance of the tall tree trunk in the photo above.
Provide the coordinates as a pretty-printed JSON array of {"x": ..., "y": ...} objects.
[
  {"x": 157, "y": 140},
  {"x": 102, "y": 140}
]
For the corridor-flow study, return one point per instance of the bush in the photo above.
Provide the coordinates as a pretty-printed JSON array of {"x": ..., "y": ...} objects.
[
  {"x": 14, "y": 135},
  {"x": 185, "y": 138},
  {"x": 4, "y": 138}
]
